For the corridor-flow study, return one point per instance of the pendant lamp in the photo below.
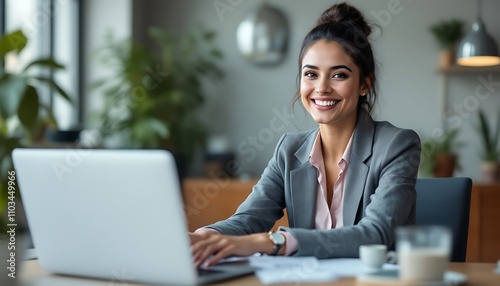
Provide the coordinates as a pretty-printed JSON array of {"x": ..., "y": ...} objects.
[{"x": 478, "y": 48}]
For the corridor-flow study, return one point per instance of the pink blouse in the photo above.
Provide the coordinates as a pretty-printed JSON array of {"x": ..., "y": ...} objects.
[{"x": 327, "y": 215}]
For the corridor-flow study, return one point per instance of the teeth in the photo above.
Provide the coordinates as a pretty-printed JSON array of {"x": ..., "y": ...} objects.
[{"x": 325, "y": 103}]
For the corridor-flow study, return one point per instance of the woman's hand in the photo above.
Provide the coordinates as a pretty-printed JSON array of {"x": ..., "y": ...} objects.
[
  {"x": 207, "y": 242},
  {"x": 201, "y": 234}
]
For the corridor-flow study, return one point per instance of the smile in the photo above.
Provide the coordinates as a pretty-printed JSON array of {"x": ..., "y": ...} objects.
[{"x": 326, "y": 102}]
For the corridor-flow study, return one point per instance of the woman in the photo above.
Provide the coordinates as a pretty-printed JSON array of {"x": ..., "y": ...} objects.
[{"x": 348, "y": 183}]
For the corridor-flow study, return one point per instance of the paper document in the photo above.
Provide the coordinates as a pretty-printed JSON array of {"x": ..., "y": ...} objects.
[{"x": 284, "y": 269}]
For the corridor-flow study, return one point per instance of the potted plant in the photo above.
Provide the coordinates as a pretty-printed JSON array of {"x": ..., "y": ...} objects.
[
  {"x": 439, "y": 157},
  {"x": 448, "y": 34},
  {"x": 23, "y": 117},
  {"x": 151, "y": 99},
  {"x": 490, "y": 153}
]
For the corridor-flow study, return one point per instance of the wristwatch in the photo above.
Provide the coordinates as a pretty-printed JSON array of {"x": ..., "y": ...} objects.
[{"x": 278, "y": 240}]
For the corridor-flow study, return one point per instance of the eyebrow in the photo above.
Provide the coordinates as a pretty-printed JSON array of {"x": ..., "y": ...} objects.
[{"x": 331, "y": 68}]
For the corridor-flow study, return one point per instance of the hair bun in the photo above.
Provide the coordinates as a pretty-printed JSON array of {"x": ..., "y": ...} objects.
[{"x": 343, "y": 13}]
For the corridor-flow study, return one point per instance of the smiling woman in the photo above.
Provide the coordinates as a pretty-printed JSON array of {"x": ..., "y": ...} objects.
[{"x": 347, "y": 183}]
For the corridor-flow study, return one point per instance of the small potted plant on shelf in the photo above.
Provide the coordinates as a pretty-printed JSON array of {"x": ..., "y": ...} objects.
[
  {"x": 448, "y": 34},
  {"x": 439, "y": 155},
  {"x": 490, "y": 153}
]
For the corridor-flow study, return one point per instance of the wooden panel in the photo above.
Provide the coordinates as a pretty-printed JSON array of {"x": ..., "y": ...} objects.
[
  {"x": 210, "y": 200},
  {"x": 484, "y": 227},
  {"x": 474, "y": 226}
]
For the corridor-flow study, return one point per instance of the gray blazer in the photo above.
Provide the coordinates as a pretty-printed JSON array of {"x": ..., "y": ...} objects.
[{"x": 379, "y": 192}]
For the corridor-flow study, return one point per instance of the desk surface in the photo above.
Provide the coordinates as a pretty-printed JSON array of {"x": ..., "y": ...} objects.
[{"x": 478, "y": 274}]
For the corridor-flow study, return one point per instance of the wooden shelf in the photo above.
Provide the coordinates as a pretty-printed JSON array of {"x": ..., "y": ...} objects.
[{"x": 470, "y": 70}]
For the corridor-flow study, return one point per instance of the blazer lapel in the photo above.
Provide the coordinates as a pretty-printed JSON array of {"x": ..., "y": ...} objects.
[
  {"x": 358, "y": 170},
  {"x": 304, "y": 186}
]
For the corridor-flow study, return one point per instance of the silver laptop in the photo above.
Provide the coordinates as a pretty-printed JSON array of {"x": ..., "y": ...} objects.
[{"x": 110, "y": 214}]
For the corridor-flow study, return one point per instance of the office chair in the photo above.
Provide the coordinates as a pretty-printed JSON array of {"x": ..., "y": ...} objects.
[{"x": 446, "y": 202}]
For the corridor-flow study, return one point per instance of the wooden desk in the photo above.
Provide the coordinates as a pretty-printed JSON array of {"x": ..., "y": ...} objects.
[
  {"x": 479, "y": 274},
  {"x": 210, "y": 200},
  {"x": 484, "y": 233}
]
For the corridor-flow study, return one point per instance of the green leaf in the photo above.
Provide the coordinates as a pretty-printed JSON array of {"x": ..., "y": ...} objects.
[
  {"x": 159, "y": 127},
  {"x": 176, "y": 97},
  {"x": 148, "y": 130},
  {"x": 216, "y": 54},
  {"x": 53, "y": 85},
  {"x": 49, "y": 119},
  {"x": 485, "y": 132},
  {"x": 99, "y": 83},
  {"x": 209, "y": 35},
  {"x": 3, "y": 130},
  {"x": 157, "y": 33},
  {"x": 48, "y": 63},
  {"x": 5, "y": 157},
  {"x": 5, "y": 165},
  {"x": 12, "y": 88},
  {"x": 28, "y": 108},
  {"x": 497, "y": 134},
  {"x": 15, "y": 41},
  {"x": 448, "y": 33},
  {"x": 490, "y": 151}
]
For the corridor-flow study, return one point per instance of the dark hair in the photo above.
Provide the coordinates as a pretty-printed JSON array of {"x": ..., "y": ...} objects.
[{"x": 345, "y": 25}]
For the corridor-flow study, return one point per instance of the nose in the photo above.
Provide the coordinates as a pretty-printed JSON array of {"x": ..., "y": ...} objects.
[{"x": 323, "y": 86}]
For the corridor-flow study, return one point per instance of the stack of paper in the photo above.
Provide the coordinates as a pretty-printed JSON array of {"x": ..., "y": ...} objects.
[{"x": 282, "y": 269}]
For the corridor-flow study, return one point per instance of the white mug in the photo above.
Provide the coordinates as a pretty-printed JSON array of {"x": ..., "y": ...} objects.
[{"x": 373, "y": 256}]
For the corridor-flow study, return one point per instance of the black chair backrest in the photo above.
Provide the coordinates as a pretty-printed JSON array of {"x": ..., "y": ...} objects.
[{"x": 446, "y": 202}]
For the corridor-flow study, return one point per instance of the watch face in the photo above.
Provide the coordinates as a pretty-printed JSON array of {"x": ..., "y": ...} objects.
[{"x": 278, "y": 238}]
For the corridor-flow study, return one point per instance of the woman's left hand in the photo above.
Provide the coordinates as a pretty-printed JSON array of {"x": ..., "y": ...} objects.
[{"x": 226, "y": 245}]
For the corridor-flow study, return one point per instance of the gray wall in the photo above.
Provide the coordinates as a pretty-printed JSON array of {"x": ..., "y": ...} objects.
[{"x": 252, "y": 102}]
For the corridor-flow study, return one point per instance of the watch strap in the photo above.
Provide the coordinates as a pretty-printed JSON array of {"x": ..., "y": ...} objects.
[{"x": 277, "y": 246}]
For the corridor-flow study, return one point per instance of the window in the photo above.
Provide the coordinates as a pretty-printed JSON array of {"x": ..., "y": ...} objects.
[{"x": 53, "y": 29}]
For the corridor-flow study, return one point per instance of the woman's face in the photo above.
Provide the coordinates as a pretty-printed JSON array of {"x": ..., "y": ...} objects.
[{"x": 330, "y": 84}]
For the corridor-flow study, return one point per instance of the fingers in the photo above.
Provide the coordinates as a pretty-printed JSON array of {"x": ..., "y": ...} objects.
[
  {"x": 221, "y": 246},
  {"x": 218, "y": 245},
  {"x": 202, "y": 249},
  {"x": 224, "y": 252}
]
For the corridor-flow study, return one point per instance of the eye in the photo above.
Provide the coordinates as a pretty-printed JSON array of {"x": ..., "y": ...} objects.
[
  {"x": 309, "y": 74},
  {"x": 339, "y": 75}
]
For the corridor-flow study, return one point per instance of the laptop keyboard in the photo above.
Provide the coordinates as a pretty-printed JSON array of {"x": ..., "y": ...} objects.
[{"x": 205, "y": 272}]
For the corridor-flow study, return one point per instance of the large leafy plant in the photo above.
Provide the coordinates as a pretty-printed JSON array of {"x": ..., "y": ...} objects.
[
  {"x": 23, "y": 116},
  {"x": 151, "y": 98}
]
